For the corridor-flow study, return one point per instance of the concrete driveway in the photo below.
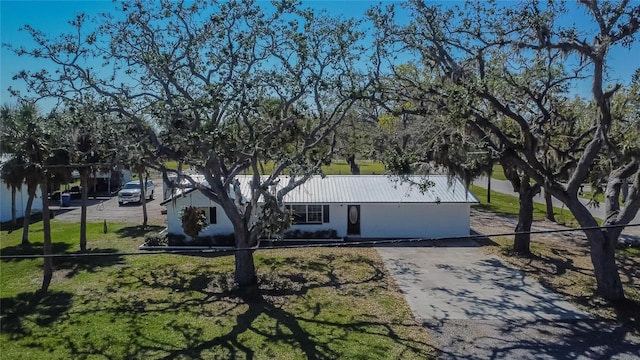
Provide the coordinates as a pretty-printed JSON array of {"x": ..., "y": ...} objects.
[
  {"x": 474, "y": 306},
  {"x": 107, "y": 208},
  {"x": 457, "y": 280}
]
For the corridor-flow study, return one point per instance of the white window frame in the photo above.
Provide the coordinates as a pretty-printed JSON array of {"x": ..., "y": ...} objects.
[{"x": 318, "y": 212}]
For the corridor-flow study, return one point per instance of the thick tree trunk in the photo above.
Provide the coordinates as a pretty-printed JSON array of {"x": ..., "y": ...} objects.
[
  {"x": 602, "y": 251},
  {"x": 46, "y": 247},
  {"x": 26, "y": 221},
  {"x": 355, "y": 169},
  {"x": 522, "y": 240},
  {"x": 549, "y": 202},
  {"x": 14, "y": 218},
  {"x": 603, "y": 257},
  {"x": 245, "y": 271},
  {"x": 84, "y": 186}
]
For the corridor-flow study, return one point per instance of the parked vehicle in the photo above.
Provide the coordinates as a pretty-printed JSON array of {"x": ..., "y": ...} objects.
[{"x": 130, "y": 192}]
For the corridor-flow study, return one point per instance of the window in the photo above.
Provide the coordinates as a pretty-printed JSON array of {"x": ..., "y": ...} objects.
[
  {"x": 209, "y": 214},
  {"x": 309, "y": 214},
  {"x": 299, "y": 214},
  {"x": 314, "y": 214},
  {"x": 213, "y": 218}
]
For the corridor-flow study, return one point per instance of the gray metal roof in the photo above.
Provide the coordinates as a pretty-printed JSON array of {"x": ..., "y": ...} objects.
[
  {"x": 378, "y": 189},
  {"x": 367, "y": 189}
]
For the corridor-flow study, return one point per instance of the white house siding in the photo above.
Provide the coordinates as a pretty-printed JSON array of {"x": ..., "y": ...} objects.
[
  {"x": 387, "y": 209},
  {"x": 376, "y": 220},
  {"x": 413, "y": 220},
  {"x": 399, "y": 220},
  {"x": 223, "y": 225},
  {"x": 21, "y": 202}
]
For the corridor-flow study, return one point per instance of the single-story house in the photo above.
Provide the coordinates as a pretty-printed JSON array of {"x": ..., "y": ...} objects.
[
  {"x": 364, "y": 206},
  {"x": 21, "y": 198}
]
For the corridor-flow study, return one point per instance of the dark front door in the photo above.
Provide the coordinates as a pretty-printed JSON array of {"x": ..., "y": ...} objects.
[{"x": 353, "y": 220}]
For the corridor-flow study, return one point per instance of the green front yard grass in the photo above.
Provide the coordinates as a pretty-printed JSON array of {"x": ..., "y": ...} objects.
[{"x": 316, "y": 303}]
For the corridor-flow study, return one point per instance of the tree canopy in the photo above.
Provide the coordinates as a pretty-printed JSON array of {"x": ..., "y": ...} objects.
[
  {"x": 504, "y": 76},
  {"x": 219, "y": 86}
]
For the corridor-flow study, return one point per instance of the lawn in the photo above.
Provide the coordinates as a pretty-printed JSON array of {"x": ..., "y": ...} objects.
[
  {"x": 509, "y": 205},
  {"x": 498, "y": 173},
  {"x": 316, "y": 303},
  {"x": 339, "y": 167},
  {"x": 366, "y": 168},
  {"x": 174, "y": 165}
]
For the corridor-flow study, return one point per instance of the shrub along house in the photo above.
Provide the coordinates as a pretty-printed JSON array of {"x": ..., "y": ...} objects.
[{"x": 350, "y": 206}]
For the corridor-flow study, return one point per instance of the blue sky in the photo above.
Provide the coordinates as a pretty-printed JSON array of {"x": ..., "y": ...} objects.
[{"x": 52, "y": 16}]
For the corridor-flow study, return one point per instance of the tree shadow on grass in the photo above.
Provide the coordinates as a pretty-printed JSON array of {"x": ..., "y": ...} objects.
[
  {"x": 184, "y": 303},
  {"x": 20, "y": 313},
  {"x": 138, "y": 231},
  {"x": 9, "y": 227},
  {"x": 31, "y": 249},
  {"x": 90, "y": 261}
]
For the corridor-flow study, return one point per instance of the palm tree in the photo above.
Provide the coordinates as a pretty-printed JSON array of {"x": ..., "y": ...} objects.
[
  {"x": 90, "y": 145},
  {"x": 11, "y": 172},
  {"x": 24, "y": 137}
]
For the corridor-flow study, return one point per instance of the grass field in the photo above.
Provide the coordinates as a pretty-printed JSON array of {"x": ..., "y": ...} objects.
[
  {"x": 509, "y": 205},
  {"x": 320, "y": 303},
  {"x": 338, "y": 167},
  {"x": 366, "y": 168},
  {"x": 498, "y": 173}
]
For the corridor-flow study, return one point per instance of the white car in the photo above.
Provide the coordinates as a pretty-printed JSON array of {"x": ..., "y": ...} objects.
[{"x": 131, "y": 192}]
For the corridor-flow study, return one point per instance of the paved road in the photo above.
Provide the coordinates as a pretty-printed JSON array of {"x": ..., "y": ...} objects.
[
  {"x": 505, "y": 187},
  {"x": 476, "y": 307}
]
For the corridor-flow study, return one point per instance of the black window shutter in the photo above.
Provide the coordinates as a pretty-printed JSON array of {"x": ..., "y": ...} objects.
[
  {"x": 213, "y": 219},
  {"x": 325, "y": 213}
]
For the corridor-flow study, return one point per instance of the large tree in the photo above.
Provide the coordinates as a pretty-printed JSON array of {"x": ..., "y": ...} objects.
[
  {"x": 506, "y": 73},
  {"x": 205, "y": 74}
]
